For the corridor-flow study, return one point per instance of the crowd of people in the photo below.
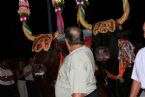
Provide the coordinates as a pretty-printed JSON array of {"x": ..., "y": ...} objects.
[
  {"x": 18, "y": 80},
  {"x": 75, "y": 77}
]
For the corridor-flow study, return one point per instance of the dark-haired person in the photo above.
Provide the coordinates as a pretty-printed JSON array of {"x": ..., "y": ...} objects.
[
  {"x": 76, "y": 75},
  {"x": 138, "y": 74}
]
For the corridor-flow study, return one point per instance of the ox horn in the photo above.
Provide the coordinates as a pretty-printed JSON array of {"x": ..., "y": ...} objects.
[
  {"x": 126, "y": 10},
  {"x": 27, "y": 32},
  {"x": 81, "y": 19}
]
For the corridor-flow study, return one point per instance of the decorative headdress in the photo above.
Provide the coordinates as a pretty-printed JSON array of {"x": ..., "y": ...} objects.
[
  {"x": 103, "y": 26},
  {"x": 42, "y": 41}
]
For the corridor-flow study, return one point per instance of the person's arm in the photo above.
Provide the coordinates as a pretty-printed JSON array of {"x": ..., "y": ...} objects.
[
  {"x": 78, "y": 95},
  {"x": 6, "y": 78},
  {"x": 136, "y": 75},
  {"x": 27, "y": 73},
  {"x": 135, "y": 88}
]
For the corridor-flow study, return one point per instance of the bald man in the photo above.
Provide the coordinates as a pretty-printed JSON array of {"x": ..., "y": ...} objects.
[
  {"x": 138, "y": 74},
  {"x": 76, "y": 75}
]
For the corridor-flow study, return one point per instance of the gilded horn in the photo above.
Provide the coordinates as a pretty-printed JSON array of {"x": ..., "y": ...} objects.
[
  {"x": 126, "y": 10},
  {"x": 27, "y": 32},
  {"x": 81, "y": 19}
]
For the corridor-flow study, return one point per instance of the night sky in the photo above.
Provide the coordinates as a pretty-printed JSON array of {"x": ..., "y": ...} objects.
[{"x": 14, "y": 43}]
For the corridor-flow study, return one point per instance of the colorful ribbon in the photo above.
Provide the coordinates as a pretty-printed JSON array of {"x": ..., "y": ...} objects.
[{"x": 60, "y": 22}]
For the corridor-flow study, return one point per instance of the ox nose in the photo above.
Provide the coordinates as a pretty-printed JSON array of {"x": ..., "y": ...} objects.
[
  {"x": 102, "y": 53},
  {"x": 102, "y": 57}
]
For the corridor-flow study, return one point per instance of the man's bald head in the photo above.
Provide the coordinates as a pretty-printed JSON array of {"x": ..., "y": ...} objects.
[{"x": 74, "y": 35}]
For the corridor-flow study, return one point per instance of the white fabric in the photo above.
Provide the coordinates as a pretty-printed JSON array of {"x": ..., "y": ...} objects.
[
  {"x": 22, "y": 88},
  {"x": 27, "y": 69},
  {"x": 76, "y": 75},
  {"x": 6, "y": 72},
  {"x": 142, "y": 94},
  {"x": 138, "y": 73}
]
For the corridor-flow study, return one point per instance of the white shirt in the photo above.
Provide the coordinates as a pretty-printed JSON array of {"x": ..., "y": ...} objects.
[
  {"x": 29, "y": 77},
  {"x": 138, "y": 73},
  {"x": 6, "y": 72},
  {"x": 76, "y": 75}
]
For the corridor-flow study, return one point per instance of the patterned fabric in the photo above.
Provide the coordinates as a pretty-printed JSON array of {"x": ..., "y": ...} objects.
[
  {"x": 104, "y": 27},
  {"x": 126, "y": 52},
  {"x": 42, "y": 42}
]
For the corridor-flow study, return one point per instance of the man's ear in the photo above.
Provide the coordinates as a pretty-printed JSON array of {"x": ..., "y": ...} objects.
[
  {"x": 67, "y": 44},
  {"x": 144, "y": 29},
  {"x": 66, "y": 41}
]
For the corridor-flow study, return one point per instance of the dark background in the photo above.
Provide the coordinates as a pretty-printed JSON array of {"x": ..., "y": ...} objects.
[{"x": 14, "y": 44}]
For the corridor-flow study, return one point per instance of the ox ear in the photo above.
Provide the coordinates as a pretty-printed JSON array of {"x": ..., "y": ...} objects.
[{"x": 126, "y": 10}]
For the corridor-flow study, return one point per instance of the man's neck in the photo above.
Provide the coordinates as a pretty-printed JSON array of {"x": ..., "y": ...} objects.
[{"x": 74, "y": 47}]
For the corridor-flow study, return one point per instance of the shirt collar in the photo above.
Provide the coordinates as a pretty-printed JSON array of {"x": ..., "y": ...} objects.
[{"x": 77, "y": 49}]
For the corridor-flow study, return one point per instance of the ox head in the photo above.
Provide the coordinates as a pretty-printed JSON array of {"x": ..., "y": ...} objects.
[
  {"x": 108, "y": 46},
  {"x": 48, "y": 49},
  {"x": 105, "y": 42}
]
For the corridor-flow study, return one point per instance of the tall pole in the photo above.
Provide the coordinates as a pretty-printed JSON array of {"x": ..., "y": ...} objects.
[{"x": 49, "y": 16}]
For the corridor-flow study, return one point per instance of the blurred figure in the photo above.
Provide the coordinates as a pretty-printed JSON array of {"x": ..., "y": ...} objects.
[
  {"x": 6, "y": 80},
  {"x": 21, "y": 80},
  {"x": 138, "y": 74},
  {"x": 32, "y": 85}
]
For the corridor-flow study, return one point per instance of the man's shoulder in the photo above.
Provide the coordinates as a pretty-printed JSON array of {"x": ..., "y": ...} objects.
[
  {"x": 83, "y": 50},
  {"x": 82, "y": 53},
  {"x": 140, "y": 53},
  {"x": 142, "y": 50}
]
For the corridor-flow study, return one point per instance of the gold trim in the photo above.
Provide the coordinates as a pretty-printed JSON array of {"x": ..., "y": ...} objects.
[{"x": 104, "y": 27}]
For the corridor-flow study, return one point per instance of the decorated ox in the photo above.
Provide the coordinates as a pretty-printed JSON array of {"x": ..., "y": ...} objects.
[
  {"x": 49, "y": 49},
  {"x": 114, "y": 54}
]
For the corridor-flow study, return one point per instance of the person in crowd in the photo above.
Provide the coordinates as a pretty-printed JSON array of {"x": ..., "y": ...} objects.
[
  {"x": 32, "y": 85},
  {"x": 76, "y": 75},
  {"x": 6, "y": 80},
  {"x": 138, "y": 73},
  {"x": 21, "y": 83}
]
